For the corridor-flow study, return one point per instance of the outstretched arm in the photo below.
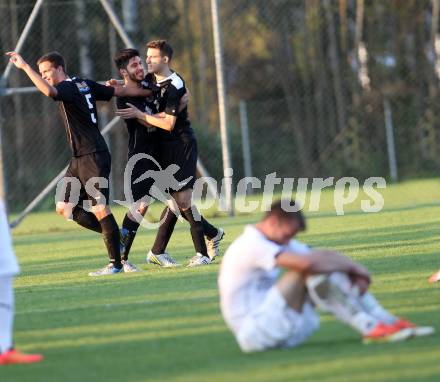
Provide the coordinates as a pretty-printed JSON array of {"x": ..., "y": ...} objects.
[
  {"x": 123, "y": 91},
  {"x": 42, "y": 85}
]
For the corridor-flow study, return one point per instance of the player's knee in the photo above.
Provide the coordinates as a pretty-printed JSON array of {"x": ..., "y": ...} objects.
[
  {"x": 101, "y": 211},
  {"x": 60, "y": 208},
  {"x": 184, "y": 204},
  {"x": 341, "y": 280},
  {"x": 183, "y": 199},
  {"x": 321, "y": 284},
  {"x": 318, "y": 286},
  {"x": 65, "y": 211},
  {"x": 142, "y": 209}
]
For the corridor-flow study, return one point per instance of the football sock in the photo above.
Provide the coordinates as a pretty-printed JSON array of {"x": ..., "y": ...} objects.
[
  {"x": 197, "y": 232},
  {"x": 110, "y": 234},
  {"x": 6, "y": 313},
  {"x": 129, "y": 229},
  {"x": 333, "y": 293},
  {"x": 208, "y": 229},
  {"x": 168, "y": 219},
  {"x": 86, "y": 219},
  {"x": 372, "y": 306}
]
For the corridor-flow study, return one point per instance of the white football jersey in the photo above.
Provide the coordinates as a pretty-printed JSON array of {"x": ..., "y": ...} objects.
[
  {"x": 8, "y": 261},
  {"x": 248, "y": 271}
]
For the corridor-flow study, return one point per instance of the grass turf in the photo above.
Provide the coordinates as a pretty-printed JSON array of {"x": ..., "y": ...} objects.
[{"x": 165, "y": 324}]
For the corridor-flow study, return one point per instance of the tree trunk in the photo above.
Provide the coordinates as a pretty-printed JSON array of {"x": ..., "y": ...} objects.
[
  {"x": 190, "y": 54},
  {"x": 20, "y": 153},
  {"x": 84, "y": 39},
  {"x": 204, "y": 98},
  {"x": 336, "y": 73},
  {"x": 344, "y": 25},
  {"x": 285, "y": 68},
  {"x": 334, "y": 62}
]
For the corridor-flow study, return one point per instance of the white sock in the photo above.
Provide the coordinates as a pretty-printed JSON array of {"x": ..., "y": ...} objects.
[
  {"x": 6, "y": 313},
  {"x": 334, "y": 294},
  {"x": 363, "y": 322},
  {"x": 373, "y": 307}
]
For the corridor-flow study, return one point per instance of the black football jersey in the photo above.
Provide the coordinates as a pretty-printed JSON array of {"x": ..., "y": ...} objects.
[
  {"x": 78, "y": 108},
  {"x": 142, "y": 139},
  {"x": 168, "y": 93}
]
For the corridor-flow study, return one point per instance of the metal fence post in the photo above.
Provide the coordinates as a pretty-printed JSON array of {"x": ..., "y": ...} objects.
[
  {"x": 390, "y": 140},
  {"x": 244, "y": 126},
  {"x": 221, "y": 91}
]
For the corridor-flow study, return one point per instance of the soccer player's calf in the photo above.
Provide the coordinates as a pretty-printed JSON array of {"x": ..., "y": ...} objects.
[{"x": 85, "y": 200}]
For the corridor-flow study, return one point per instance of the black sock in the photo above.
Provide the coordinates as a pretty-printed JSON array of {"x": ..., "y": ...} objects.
[
  {"x": 196, "y": 231},
  {"x": 168, "y": 219},
  {"x": 86, "y": 219},
  {"x": 208, "y": 229},
  {"x": 129, "y": 224},
  {"x": 128, "y": 237},
  {"x": 110, "y": 234}
]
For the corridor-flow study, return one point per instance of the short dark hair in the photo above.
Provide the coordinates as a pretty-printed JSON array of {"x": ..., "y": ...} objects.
[
  {"x": 122, "y": 57},
  {"x": 277, "y": 210},
  {"x": 163, "y": 46},
  {"x": 55, "y": 58}
]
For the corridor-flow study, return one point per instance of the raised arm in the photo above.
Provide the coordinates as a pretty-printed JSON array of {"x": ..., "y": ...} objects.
[{"x": 42, "y": 85}]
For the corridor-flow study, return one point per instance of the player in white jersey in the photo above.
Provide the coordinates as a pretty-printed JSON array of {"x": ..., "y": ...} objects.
[
  {"x": 265, "y": 311},
  {"x": 8, "y": 269}
]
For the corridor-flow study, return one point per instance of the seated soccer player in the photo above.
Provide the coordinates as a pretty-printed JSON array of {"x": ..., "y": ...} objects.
[
  {"x": 8, "y": 268},
  {"x": 266, "y": 311}
]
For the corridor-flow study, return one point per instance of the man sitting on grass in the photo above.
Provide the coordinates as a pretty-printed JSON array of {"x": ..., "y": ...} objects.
[{"x": 266, "y": 311}]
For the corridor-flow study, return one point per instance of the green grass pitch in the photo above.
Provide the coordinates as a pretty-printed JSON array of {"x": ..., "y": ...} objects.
[{"x": 165, "y": 325}]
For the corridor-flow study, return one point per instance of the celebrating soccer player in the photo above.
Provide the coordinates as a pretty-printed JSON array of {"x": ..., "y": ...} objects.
[
  {"x": 177, "y": 146},
  {"x": 89, "y": 169},
  {"x": 142, "y": 149}
]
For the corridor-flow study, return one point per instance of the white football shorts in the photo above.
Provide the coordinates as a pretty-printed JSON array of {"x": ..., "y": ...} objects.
[{"x": 273, "y": 324}]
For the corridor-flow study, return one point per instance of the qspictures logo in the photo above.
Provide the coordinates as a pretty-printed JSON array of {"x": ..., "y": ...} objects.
[{"x": 162, "y": 184}]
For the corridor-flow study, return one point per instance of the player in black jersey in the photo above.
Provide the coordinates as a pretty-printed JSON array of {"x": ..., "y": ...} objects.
[
  {"x": 142, "y": 149},
  {"x": 177, "y": 146},
  {"x": 86, "y": 179}
]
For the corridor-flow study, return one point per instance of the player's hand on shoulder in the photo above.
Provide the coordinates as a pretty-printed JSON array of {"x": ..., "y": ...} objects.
[
  {"x": 114, "y": 83},
  {"x": 16, "y": 59}
]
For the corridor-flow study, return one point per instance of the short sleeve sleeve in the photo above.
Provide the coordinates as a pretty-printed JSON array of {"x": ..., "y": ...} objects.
[
  {"x": 258, "y": 250},
  {"x": 101, "y": 92},
  {"x": 173, "y": 100},
  {"x": 299, "y": 248},
  {"x": 65, "y": 92},
  {"x": 266, "y": 255}
]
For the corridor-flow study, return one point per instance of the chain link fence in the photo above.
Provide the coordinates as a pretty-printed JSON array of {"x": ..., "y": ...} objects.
[{"x": 319, "y": 84}]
